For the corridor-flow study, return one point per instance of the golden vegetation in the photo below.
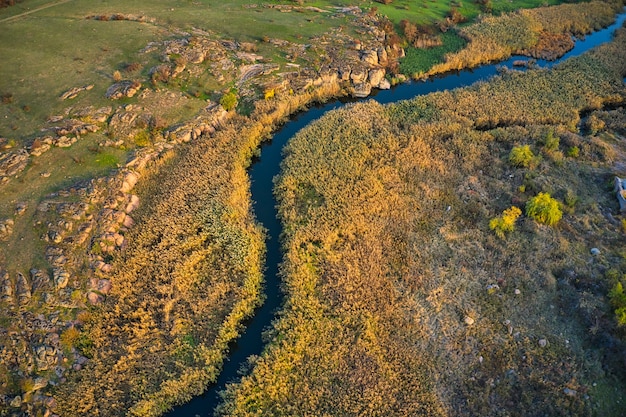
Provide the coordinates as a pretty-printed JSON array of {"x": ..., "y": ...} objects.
[
  {"x": 189, "y": 277},
  {"x": 400, "y": 301},
  {"x": 498, "y": 37}
]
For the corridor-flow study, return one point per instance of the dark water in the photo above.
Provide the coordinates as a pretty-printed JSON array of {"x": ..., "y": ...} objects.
[{"x": 267, "y": 167}]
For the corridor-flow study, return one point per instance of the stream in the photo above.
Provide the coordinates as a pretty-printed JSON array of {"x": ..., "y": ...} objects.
[{"x": 265, "y": 168}]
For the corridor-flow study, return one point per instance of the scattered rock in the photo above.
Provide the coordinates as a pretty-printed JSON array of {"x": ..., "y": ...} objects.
[
  {"x": 94, "y": 298},
  {"x": 61, "y": 278},
  {"x": 543, "y": 343},
  {"x": 23, "y": 289},
  {"x": 6, "y": 228},
  {"x": 12, "y": 163},
  {"x": 133, "y": 204},
  {"x": 20, "y": 208},
  {"x": 16, "y": 402},
  {"x": 73, "y": 92},
  {"x": 468, "y": 320},
  {"x": 492, "y": 288},
  {"x": 40, "y": 279},
  {"x": 595, "y": 251},
  {"x": 122, "y": 89},
  {"x": 129, "y": 182},
  {"x": 6, "y": 287},
  {"x": 569, "y": 392},
  {"x": 517, "y": 292}
]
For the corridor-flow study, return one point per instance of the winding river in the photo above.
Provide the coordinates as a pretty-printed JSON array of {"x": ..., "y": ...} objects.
[{"x": 265, "y": 168}]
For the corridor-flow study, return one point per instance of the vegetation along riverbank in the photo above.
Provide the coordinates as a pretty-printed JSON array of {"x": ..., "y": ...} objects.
[{"x": 127, "y": 237}]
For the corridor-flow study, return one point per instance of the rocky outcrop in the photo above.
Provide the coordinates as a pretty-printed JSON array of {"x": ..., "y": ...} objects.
[
  {"x": 123, "y": 89},
  {"x": 206, "y": 122},
  {"x": 6, "y": 288},
  {"x": 74, "y": 92},
  {"x": 12, "y": 163},
  {"x": 22, "y": 289},
  {"x": 40, "y": 280}
]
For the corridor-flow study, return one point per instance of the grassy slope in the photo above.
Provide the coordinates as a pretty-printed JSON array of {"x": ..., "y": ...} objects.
[{"x": 386, "y": 214}]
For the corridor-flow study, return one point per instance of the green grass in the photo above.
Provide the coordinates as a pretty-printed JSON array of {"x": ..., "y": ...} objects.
[
  {"x": 66, "y": 166},
  {"x": 418, "y": 61}
]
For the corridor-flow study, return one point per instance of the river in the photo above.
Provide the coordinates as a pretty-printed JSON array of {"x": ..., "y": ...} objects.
[{"x": 265, "y": 168}]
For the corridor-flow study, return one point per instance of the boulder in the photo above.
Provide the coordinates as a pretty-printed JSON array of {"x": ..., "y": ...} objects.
[
  {"x": 344, "y": 72},
  {"x": 358, "y": 75},
  {"x": 376, "y": 76},
  {"x": 382, "y": 56},
  {"x": 128, "y": 222},
  {"x": 384, "y": 84},
  {"x": 20, "y": 208},
  {"x": 370, "y": 57},
  {"x": 620, "y": 190},
  {"x": 6, "y": 228},
  {"x": 130, "y": 180},
  {"x": 362, "y": 90},
  {"x": 133, "y": 204},
  {"x": 73, "y": 92},
  {"x": 39, "y": 150},
  {"x": 94, "y": 298}
]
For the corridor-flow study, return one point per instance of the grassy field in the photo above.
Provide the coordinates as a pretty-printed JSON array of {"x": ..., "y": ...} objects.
[{"x": 402, "y": 301}]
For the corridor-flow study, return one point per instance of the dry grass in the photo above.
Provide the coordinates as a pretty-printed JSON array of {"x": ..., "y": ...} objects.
[
  {"x": 400, "y": 300},
  {"x": 494, "y": 38}
]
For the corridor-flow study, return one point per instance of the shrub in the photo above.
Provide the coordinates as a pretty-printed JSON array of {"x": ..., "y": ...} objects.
[
  {"x": 544, "y": 209},
  {"x": 521, "y": 156},
  {"x": 551, "y": 142},
  {"x": 618, "y": 301},
  {"x": 142, "y": 139},
  {"x": 229, "y": 101},
  {"x": 573, "y": 152},
  {"x": 506, "y": 222}
]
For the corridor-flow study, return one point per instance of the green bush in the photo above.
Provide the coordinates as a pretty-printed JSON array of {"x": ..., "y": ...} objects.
[
  {"x": 544, "y": 209},
  {"x": 551, "y": 142},
  {"x": 521, "y": 156},
  {"x": 573, "y": 152},
  {"x": 618, "y": 301},
  {"x": 229, "y": 101},
  {"x": 506, "y": 222}
]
